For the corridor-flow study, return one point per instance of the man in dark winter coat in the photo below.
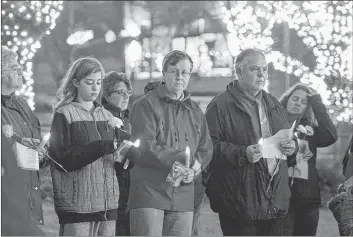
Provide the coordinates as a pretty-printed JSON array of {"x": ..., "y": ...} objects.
[
  {"x": 250, "y": 192},
  {"x": 21, "y": 126}
]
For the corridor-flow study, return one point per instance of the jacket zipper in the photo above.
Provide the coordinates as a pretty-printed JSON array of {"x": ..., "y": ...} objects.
[{"x": 105, "y": 198}]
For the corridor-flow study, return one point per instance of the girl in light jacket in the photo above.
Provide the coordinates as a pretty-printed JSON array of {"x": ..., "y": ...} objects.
[{"x": 83, "y": 142}]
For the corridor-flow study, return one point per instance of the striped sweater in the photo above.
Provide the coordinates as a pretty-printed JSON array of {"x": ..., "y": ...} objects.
[{"x": 82, "y": 142}]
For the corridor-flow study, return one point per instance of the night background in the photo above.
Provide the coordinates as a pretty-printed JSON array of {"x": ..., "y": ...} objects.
[{"x": 304, "y": 41}]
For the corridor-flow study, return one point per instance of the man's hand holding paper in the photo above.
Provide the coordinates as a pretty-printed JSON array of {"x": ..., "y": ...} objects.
[
  {"x": 279, "y": 145},
  {"x": 287, "y": 147}
]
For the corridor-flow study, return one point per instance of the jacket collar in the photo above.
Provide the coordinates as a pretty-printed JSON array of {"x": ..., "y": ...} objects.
[
  {"x": 97, "y": 106},
  {"x": 115, "y": 110},
  {"x": 8, "y": 100},
  {"x": 186, "y": 101},
  {"x": 236, "y": 92}
]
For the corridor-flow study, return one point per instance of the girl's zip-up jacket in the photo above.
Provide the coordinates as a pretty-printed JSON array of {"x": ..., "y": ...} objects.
[{"x": 82, "y": 142}]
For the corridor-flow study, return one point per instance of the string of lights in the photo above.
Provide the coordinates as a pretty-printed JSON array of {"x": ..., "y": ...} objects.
[
  {"x": 324, "y": 26},
  {"x": 24, "y": 24}
]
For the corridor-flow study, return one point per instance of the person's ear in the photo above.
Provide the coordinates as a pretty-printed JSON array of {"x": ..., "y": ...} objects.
[
  {"x": 238, "y": 72},
  {"x": 75, "y": 82}
]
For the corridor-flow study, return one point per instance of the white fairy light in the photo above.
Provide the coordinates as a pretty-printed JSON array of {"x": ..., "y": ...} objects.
[
  {"x": 321, "y": 29},
  {"x": 22, "y": 40}
]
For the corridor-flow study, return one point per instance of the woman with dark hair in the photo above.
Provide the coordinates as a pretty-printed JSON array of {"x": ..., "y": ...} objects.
[
  {"x": 166, "y": 121},
  {"x": 314, "y": 129},
  {"x": 116, "y": 93}
]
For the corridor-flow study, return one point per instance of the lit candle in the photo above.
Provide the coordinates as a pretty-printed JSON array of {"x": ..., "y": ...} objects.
[
  {"x": 44, "y": 141},
  {"x": 187, "y": 157},
  {"x": 137, "y": 143},
  {"x": 127, "y": 162}
]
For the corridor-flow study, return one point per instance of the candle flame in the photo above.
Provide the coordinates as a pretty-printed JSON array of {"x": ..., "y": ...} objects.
[{"x": 137, "y": 143}]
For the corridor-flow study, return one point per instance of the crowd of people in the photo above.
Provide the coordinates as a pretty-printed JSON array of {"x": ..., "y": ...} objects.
[{"x": 96, "y": 194}]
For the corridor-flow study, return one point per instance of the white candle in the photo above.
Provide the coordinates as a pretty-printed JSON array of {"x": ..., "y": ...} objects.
[
  {"x": 44, "y": 141},
  {"x": 187, "y": 157}
]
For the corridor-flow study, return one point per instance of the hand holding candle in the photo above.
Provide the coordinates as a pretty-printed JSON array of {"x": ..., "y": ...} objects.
[
  {"x": 127, "y": 162},
  {"x": 189, "y": 175}
]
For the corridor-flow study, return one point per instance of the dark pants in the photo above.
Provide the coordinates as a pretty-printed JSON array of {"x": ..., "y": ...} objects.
[
  {"x": 231, "y": 226},
  {"x": 302, "y": 220},
  {"x": 122, "y": 224},
  {"x": 123, "y": 221}
]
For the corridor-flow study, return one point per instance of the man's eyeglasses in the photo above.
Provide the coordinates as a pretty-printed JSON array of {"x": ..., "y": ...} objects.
[
  {"x": 177, "y": 73},
  {"x": 17, "y": 69},
  {"x": 123, "y": 92}
]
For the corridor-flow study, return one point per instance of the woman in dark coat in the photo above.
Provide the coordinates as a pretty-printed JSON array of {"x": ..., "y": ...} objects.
[
  {"x": 167, "y": 121},
  {"x": 314, "y": 129},
  {"x": 116, "y": 93}
]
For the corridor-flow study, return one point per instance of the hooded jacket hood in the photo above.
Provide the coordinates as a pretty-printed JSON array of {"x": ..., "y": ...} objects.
[{"x": 236, "y": 92}]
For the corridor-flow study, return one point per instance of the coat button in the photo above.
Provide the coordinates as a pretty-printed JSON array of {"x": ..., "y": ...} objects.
[
  {"x": 36, "y": 188},
  {"x": 40, "y": 221}
]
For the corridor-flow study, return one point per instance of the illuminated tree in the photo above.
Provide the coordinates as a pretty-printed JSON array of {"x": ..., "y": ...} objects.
[
  {"x": 24, "y": 24},
  {"x": 323, "y": 26}
]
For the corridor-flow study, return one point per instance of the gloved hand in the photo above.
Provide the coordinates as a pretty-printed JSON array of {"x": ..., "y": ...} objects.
[{"x": 131, "y": 157}]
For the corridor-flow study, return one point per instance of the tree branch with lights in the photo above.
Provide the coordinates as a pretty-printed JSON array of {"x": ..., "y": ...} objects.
[
  {"x": 24, "y": 24},
  {"x": 325, "y": 27}
]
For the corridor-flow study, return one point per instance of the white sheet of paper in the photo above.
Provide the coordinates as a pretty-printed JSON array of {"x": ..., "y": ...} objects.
[
  {"x": 27, "y": 158},
  {"x": 349, "y": 182},
  {"x": 301, "y": 170},
  {"x": 269, "y": 145}
]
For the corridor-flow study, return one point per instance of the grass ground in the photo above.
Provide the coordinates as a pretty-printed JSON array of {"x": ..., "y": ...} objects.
[{"x": 209, "y": 221}]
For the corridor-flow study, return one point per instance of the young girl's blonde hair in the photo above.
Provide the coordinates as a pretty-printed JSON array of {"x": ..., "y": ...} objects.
[{"x": 78, "y": 70}]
